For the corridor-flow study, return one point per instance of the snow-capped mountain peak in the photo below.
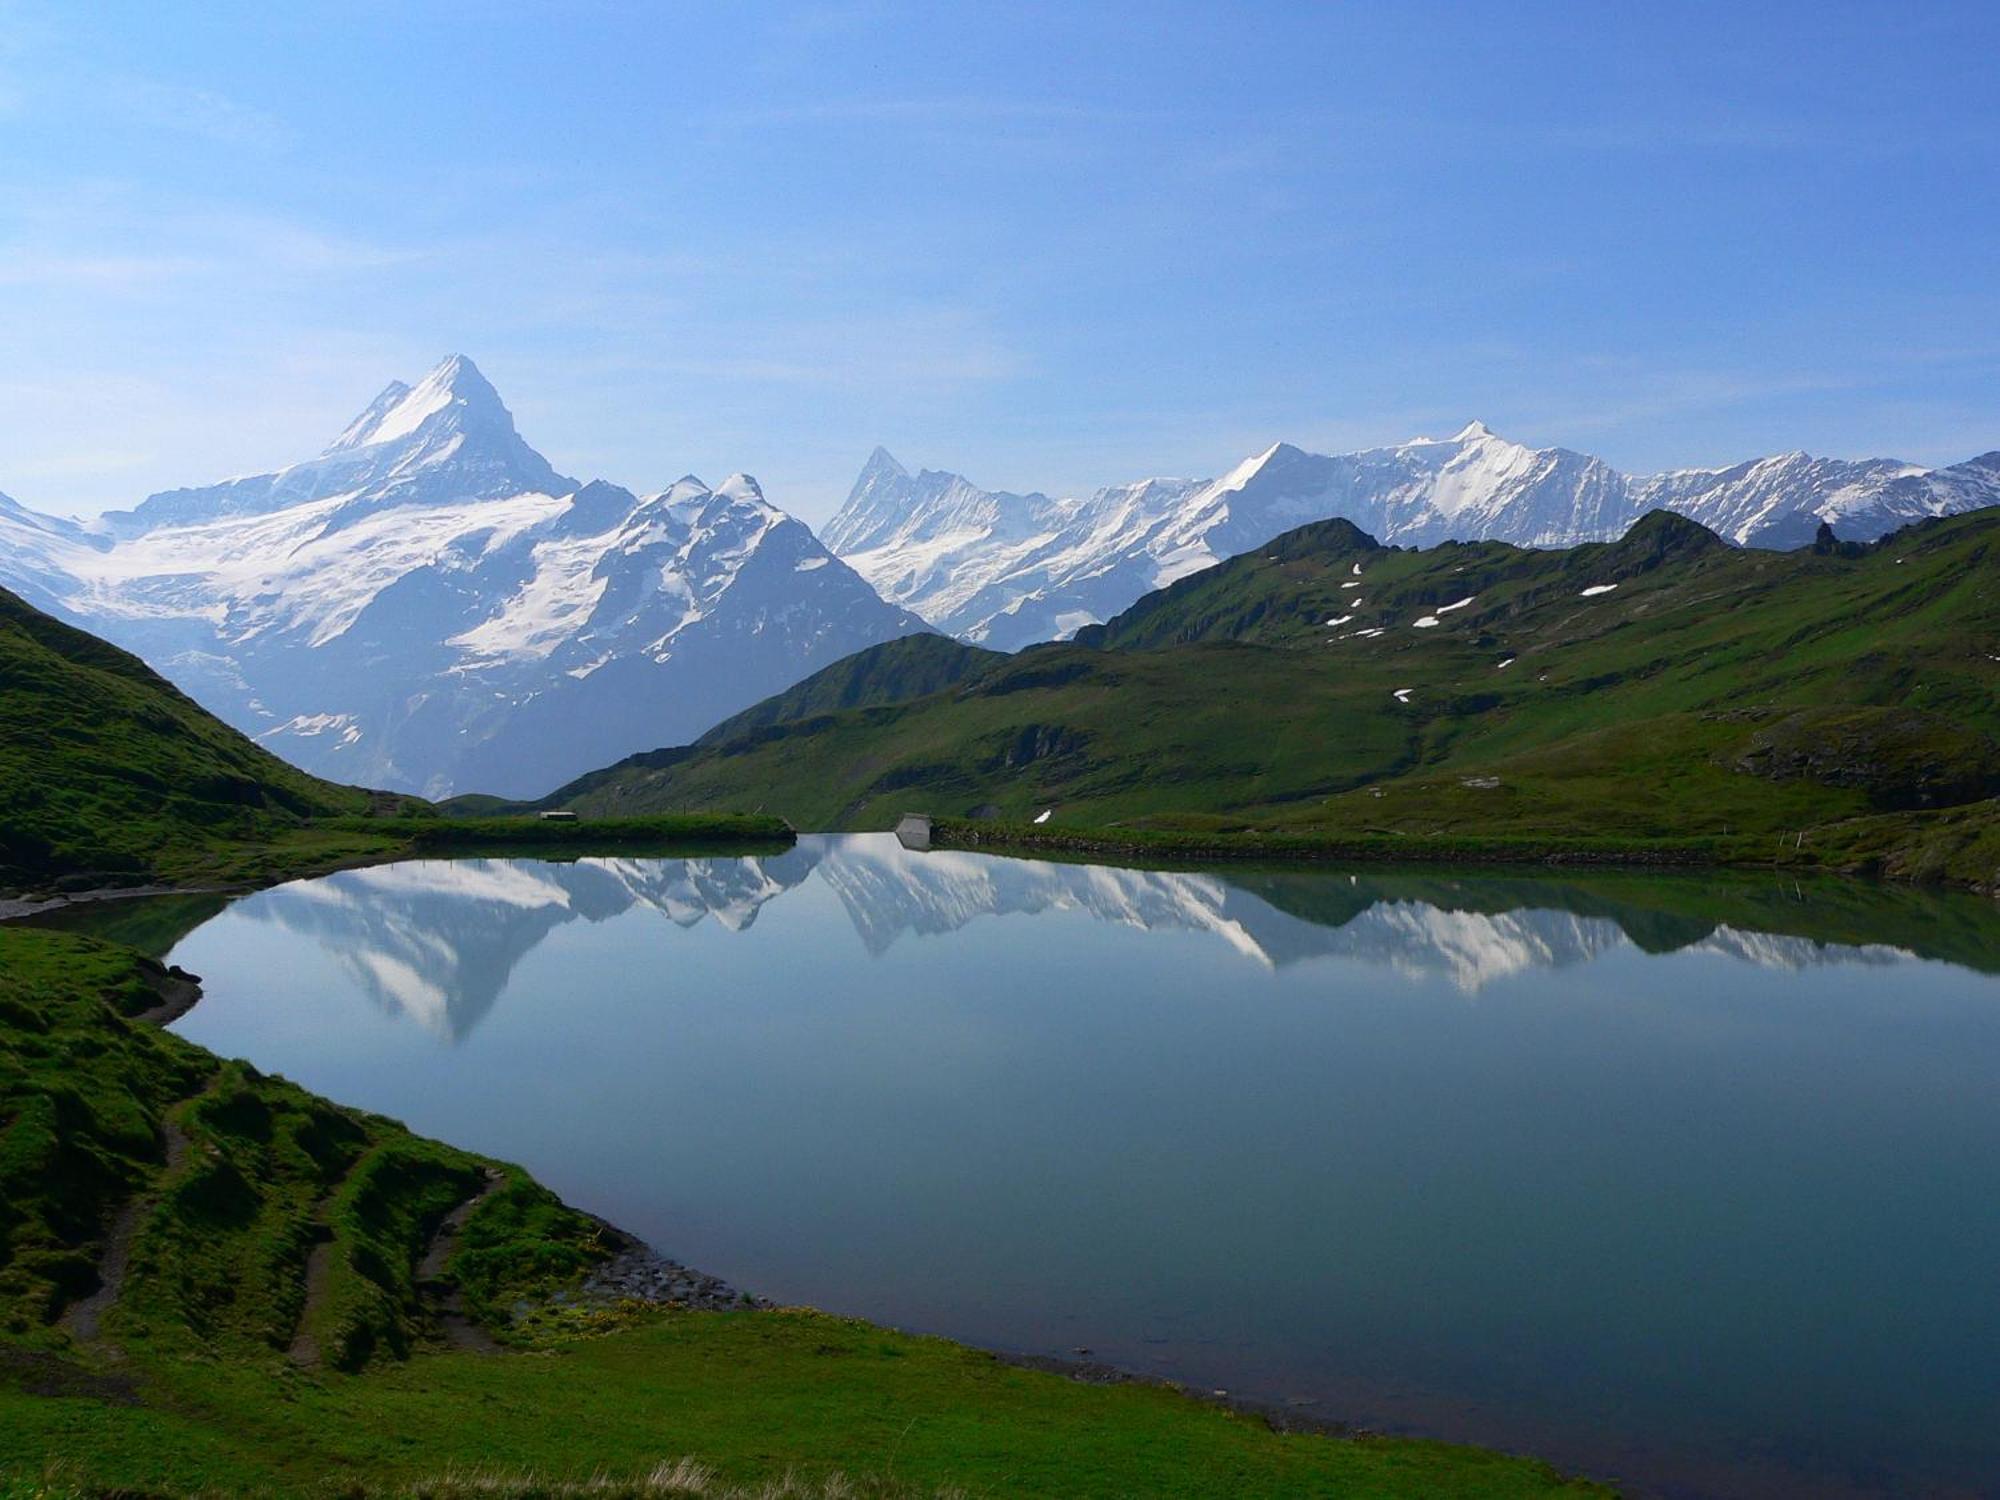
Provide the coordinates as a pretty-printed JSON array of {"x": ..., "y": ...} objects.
[
  {"x": 1472, "y": 432},
  {"x": 742, "y": 488},
  {"x": 1009, "y": 570},
  {"x": 881, "y": 465},
  {"x": 453, "y": 390},
  {"x": 429, "y": 606},
  {"x": 450, "y": 435},
  {"x": 1276, "y": 457},
  {"x": 881, "y": 497}
]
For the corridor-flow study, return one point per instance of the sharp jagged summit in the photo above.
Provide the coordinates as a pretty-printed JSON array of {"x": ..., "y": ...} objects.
[{"x": 454, "y": 390}]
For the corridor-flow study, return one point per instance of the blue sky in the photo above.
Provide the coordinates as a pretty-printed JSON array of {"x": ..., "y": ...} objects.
[{"x": 1049, "y": 246}]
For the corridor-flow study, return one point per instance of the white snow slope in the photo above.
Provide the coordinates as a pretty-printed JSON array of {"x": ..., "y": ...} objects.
[
  {"x": 428, "y": 606},
  {"x": 1008, "y": 570}
]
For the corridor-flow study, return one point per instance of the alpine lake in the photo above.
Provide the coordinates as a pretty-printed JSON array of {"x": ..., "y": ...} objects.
[{"x": 1683, "y": 1181}]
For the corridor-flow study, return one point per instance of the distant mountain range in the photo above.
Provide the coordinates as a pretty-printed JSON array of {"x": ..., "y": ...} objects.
[
  {"x": 429, "y": 606},
  {"x": 1006, "y": 570}
]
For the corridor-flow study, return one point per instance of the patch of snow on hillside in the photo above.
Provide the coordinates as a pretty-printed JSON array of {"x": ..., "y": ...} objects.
[
  {"x": 1597, "y": 588},
  {"x": 308, "y": 726}
]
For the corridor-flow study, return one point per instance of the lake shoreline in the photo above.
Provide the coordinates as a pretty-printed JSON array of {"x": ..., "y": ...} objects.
[
  {"x": 664, "y": 836},
  {"x": 18, "y": 908},
  {"x": 314, "y": 848},
  {"x": 1171, "y": 847},
  {"x": 639, "y": 1273},
  {"x": 685, "y": 836}
]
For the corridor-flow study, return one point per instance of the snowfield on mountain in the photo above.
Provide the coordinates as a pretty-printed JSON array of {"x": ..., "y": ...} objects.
[
  {"x": 428, "y": 606},
  {"x": 1006, "y": 570}
]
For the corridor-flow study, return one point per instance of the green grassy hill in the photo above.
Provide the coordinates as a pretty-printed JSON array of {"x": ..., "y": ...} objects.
[
  {"x": 214, "y": 1185},
  {"x": 113, "y": 778},
  {"x": 1664, "y": 688},
  {"x": 113, "y": 774},
  {"x": 893, "y": 672},
  {"x": 897, "y": 671}
]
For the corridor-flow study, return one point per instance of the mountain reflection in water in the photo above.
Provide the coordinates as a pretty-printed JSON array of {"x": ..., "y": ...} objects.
[
  {"x": 1678, "y": 1178},
  {"x": 437, "y": 940}
]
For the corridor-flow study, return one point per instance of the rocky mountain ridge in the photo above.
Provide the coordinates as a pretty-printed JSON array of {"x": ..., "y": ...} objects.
[{"x": 1007, "y": 570}]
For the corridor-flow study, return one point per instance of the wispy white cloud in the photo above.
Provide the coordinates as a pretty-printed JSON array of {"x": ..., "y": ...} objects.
[
  {"x": 113, "y": 238},
  {"x": 94, "y": 271},
  {"x": 48, "y": 71},
  {"x": 288, "y": 244},
  {"x": 153, "y": 104}
]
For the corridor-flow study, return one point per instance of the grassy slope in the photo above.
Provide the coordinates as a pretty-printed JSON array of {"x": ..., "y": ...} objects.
[
  {"x": 893, "y": 672},
  {"x": 236, "y": 1176},
  {"x": 114, "y": 777},
  {"x": 897, "y": 671},
  {"x": 755, "y": 1395},
  {"x": 1713, "y": 700},
  {"x": 111, "y": 770}
]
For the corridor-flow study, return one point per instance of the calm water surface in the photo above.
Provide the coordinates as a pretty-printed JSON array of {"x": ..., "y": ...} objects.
[{"x": 1688, "y": 1183}]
